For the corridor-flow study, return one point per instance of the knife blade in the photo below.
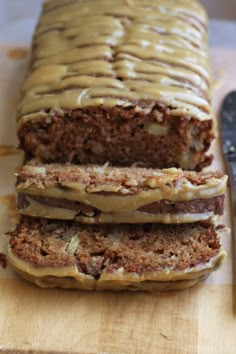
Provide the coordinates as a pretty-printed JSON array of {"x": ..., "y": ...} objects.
[{"x": 228, "y": 137}]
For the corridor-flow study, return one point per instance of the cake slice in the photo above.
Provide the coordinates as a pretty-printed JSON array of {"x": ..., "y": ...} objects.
[
  {"x": 124, "y": 83},
  {"x": 133, "y": 257},
  {"x": 103, "y": 194}
]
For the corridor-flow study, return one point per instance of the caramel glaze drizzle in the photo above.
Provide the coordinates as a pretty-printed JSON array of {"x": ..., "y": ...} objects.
[{"x": 102, "y": 53}]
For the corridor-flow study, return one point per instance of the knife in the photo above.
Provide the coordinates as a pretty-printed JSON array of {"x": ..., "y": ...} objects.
[{"x": 228, "y": 136}]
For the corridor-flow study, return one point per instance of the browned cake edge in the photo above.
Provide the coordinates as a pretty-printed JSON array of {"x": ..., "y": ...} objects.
[{"x": 113, "y": 285}]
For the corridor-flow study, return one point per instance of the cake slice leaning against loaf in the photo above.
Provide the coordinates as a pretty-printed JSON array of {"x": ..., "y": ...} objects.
[
  {"x": 103, "y": 194},
  {"x": 98, "y": 257},
  {"x": 124, "y": 83}
]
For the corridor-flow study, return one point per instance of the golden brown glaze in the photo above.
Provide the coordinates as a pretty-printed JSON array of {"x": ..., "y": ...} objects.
[
  {"x": 92, "y": 53},
  {"x": 70, "y": 278}
]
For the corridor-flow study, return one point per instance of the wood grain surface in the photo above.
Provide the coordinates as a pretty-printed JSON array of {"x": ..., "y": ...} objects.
[{"x": 32, "y": 320}]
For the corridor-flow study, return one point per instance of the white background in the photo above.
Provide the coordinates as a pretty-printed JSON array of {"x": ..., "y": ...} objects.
[
  {"x": 18, "y": 9},
  {"x": 14, "y": 12},
  {"x": 221, "y": 8}
]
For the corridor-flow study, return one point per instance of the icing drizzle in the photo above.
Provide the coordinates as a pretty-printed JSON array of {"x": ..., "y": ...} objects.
[{"x": 89, "y": 53}]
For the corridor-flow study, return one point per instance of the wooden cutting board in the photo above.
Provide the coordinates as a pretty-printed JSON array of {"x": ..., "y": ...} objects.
[{"x": 199, "y": 320}]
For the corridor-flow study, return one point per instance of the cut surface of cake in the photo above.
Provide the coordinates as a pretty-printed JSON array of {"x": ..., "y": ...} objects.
[{"x": 133, "y": 257}]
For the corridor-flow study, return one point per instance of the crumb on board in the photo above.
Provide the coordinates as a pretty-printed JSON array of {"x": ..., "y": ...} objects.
[
  {"x": 3, "y": 260},
  {"x": 217, "y": 84},
  {"x": 220, "y": 72},
  {"x": 17, "y": 53},
  {"x": 7, "y": 150},
  {"x": 218, "y": 79},
  {"x": 14, "y": 103}
]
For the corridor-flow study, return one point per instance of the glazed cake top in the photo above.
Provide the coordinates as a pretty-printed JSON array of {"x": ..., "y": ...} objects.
[
  {"x": 171, "y": 184},
  {"x": 138, "y": 53}
]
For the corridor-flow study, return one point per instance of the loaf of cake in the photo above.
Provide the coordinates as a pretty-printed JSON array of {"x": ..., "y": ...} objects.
[
  {"x": 125, "y": 81},
  {"x": 116, "y": 123},
  {"x": 111, "y": 257},
  {"x": 103, "y": 194}
]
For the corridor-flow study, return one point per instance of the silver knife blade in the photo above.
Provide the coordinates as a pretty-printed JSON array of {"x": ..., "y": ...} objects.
[
  {"x": 228, "y": 136},
  {"x": 228, "y": 126}
]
